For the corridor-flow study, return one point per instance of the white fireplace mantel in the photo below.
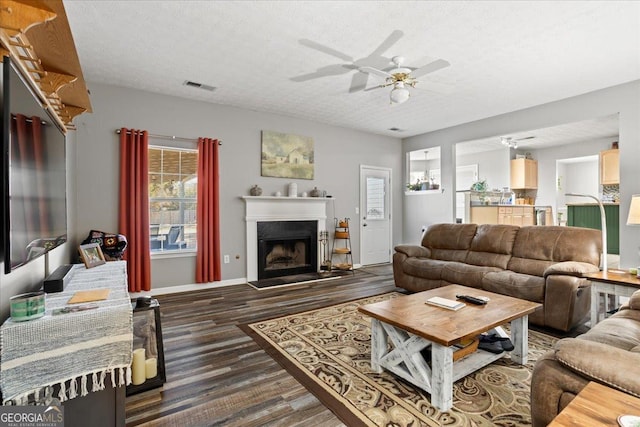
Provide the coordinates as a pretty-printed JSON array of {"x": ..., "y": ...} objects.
[{"x": 271, "y": 208}]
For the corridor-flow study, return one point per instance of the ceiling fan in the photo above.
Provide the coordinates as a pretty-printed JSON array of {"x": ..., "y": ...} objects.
[
  {"x": 359, "y": 80},
  {"x": 510, "y": 142},
  {"x": 401, "y": 77}
]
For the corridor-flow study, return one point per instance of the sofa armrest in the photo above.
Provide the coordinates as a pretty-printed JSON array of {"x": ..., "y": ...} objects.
[
  {"x": 571, "y": 268},
  {"x": 600, "y": 362},
  {"x": 414, "y": 251}
]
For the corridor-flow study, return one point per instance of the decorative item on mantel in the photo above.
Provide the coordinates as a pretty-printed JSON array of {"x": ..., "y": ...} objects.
[
  {"x": 315, "y": 192},
  {"x": 293, "y": 190},
  {"x": 255, "y": 190}
]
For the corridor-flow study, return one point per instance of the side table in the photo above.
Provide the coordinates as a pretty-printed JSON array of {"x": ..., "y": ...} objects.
[
  {"x": 597, "y": 405},
  {"x": 617, "y": 283}
]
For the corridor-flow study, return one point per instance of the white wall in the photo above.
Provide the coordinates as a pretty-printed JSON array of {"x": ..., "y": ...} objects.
[
  {"x": 623, "y": 99},
  {"x": 493, "y": 166},
  {"x": 547, "y": 167},
  {"x": 338, "y": 155}
]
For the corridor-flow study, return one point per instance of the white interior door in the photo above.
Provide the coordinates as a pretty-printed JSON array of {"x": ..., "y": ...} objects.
[{"x": 375, "y": 212}]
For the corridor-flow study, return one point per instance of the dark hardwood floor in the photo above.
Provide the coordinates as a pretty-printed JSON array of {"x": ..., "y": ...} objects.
[{"x": 217, "y": 375}]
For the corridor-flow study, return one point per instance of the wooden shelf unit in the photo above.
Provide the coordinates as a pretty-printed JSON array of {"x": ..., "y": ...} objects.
[
  {"x": 37, "y": 37},
  {"x": 341, "y": 247}
]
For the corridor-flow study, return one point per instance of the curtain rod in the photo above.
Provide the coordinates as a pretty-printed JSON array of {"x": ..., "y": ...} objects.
[
  {"x": 172, "y": 137},
  {"x": 28, "y": 119}
]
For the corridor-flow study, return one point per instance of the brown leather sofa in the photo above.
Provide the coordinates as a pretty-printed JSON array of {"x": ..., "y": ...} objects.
[
  {"x": 537, "y": 263},
  {"x": 609, "y": 353}
]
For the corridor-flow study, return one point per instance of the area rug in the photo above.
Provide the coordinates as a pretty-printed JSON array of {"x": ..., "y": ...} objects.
[{"x": 328, "y": 351}]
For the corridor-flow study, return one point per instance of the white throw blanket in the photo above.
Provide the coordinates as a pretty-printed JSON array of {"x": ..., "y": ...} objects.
[{"x": 74, "y": 351}]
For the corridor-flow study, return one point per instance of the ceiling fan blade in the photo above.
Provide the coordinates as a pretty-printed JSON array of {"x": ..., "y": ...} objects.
[
  {"x": 430, "y": 68},
  {"x": 325, "y": 49},
  {"x": 329, "y": 70},
  {"x": 375, "y": 71},
  {"x": 390, "y": 41},
  {"x": 358, "y": 82}
]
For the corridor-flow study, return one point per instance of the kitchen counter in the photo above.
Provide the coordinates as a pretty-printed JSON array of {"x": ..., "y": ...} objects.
[
  {"x": 479, "y": 205},
  {"x": 594, "y": 204}
]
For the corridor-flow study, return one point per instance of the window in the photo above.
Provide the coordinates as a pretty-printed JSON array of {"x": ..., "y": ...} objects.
[
  {"x": 172, "y": 199},
  {"x": 423, "y": 169}
]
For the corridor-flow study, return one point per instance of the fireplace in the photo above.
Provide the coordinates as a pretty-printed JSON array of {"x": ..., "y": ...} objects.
[
  {"x": 286, "y": 248},
  {"x": 282, "y": 209}
]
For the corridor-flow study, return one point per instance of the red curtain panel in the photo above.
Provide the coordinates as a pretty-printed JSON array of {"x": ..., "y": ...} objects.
[
  {"x": 28, "y": 149},
  {"x": 208, "y": 214},
  {"x": 134, "y": 206}
]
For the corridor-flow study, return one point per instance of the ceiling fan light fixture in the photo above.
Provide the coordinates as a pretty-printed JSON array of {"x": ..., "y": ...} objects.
[
  {"x": 399, "y": 94},
  {"x": 508, "y": 142}
]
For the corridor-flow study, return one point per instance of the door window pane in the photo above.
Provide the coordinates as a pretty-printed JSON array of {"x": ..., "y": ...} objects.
[{"x": 375, "y": 198}]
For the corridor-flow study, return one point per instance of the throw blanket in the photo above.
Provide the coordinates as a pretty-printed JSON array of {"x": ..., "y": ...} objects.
[{"x": 70, "y": 349}]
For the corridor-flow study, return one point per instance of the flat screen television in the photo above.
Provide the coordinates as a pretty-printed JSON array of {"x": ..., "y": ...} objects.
[{"x": 33, "y": 173}]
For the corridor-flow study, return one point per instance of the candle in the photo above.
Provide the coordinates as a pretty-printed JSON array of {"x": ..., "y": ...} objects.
[
  {"x": 138, "y": 371},
  {"x": 151, "y": 366}
]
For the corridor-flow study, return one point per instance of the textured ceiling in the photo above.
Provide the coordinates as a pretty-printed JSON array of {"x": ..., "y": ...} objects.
[{"x": 504, "y": 55}]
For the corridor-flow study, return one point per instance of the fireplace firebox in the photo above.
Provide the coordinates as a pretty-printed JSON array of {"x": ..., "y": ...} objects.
[{"x": 286, "y": 248}]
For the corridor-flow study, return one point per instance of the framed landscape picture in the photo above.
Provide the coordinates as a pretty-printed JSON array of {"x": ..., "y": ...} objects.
[{"x": 286, "y": 155}]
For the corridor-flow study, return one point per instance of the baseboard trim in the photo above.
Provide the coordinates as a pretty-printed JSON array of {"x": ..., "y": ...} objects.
[{"x": 188, "y": 288}]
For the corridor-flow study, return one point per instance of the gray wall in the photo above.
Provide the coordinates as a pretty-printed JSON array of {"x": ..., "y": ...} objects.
[
  {"x": 338, "y": 154},
  {"x": 623, "y": 99}
]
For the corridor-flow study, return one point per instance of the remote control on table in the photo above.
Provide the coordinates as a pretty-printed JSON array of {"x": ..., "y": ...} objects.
[{"x": 472, "y": 300}]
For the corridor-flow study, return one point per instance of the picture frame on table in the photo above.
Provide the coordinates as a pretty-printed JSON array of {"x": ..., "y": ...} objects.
[{"x": 91, "y": 255}]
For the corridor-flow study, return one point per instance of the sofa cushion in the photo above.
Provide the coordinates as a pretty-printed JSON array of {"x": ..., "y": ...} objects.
[
  {"x": 423, "y": 267},
  {"x": 536, "y": 248},
  {"x": 515, "y": 285},
  {"x": 449, "y": 236},
  {"x": 465, "y": 274},
  {"x": 622, "y": 330},
  {"x": 492, "y": 245}
]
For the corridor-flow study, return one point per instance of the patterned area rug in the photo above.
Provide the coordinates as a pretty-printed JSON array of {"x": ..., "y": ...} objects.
[{"x": 328, "y": 351}]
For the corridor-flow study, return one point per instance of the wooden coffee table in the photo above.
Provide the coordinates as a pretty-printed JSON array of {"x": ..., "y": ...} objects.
[{"x": 410, "y": 325}]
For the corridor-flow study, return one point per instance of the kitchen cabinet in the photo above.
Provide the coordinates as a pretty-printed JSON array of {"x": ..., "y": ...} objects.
[
  {"x": 515, "y": 215},
  {"x": 524, "y": 174},
  {"x": 512, "y": 215},
  {"x": 484, "y": 214},
  {"x": 588, "y": 215},
  {"x": 610, "y": 167}
]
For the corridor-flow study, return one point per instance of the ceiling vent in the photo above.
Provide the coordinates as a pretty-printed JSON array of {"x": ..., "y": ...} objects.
[{"x": 199, "y": 85}]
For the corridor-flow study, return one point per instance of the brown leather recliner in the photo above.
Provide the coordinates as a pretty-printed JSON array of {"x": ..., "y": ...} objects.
[{"x": 609, "y": 354}]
